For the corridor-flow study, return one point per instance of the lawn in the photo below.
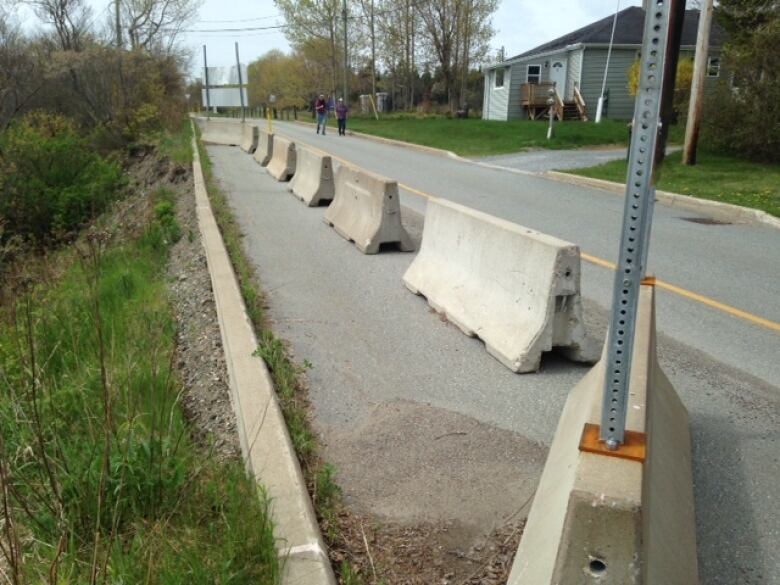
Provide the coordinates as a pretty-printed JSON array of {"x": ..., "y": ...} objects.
[
  {"x": 474, "y": 137},
  {"x": 715, "y": 176}
]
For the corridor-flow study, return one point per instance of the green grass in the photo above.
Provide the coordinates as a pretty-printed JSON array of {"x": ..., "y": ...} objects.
[
  {"x": 717, "y": 177},
  {"x": 474, "y": 137},
  {"x": 176, "y": 145},
  {"x": 104, "y": 483}
]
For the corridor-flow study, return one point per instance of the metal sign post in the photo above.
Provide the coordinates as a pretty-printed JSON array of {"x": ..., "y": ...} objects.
[
  {"x": 240, "y": 86},
  {"x": 663, "y": 22},
  {"x": 206, "y": 79},
  {"x": 551, "y": 103}
]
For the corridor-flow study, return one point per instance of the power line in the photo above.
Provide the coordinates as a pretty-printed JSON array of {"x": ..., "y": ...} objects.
[
  {"x": 240, "y": 19},
  {"x": 229, "y": 30}
]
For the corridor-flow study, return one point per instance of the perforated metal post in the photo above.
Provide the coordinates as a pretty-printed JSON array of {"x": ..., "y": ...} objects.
[{"x": 659, "y": 52}]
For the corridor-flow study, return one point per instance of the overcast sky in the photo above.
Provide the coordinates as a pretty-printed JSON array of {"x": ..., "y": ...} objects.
[{"x": 519, "y": 24}]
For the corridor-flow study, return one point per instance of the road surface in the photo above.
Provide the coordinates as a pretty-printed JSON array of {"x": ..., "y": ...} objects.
[{"x": 373, "y": 344}]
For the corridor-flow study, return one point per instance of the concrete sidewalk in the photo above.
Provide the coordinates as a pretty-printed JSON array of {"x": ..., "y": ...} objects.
[{"x": 423, "y": 424}]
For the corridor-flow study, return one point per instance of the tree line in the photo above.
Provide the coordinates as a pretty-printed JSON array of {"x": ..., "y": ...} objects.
[
  {"x": 423, "y": 54},
  {"x": 74, "y": 96}
]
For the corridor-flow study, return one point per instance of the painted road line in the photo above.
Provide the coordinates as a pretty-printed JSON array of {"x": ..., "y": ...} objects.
[{"x": 687, "y": 294}]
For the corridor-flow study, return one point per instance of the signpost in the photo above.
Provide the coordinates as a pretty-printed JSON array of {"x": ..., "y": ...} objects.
[
  {"x": 240, "y": 86},
  {"x": 272, "y": 101},
  {"x": 206, "y": 75},
  {"x": 660, "y": 49}
]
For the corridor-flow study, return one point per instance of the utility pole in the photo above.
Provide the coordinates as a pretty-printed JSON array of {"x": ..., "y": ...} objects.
[
  {"x": 206, "y": 79},
  {"x": 346, "y": 57},
  {"x": 118, "y": 25},
  {"x": 240, "y": 85},
  {"x": 697, "y": 85},
  {"x": 373, "y": 54}
]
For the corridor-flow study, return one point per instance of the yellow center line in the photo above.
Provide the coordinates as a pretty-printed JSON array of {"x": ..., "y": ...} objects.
[{"x": 687, "y": 294}]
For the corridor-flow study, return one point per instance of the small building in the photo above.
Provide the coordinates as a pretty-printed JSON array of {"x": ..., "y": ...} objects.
[{"x": 574, "y": 66}]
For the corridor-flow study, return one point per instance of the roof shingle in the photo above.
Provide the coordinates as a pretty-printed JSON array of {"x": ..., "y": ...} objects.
[{"x": 629, "y": 31}]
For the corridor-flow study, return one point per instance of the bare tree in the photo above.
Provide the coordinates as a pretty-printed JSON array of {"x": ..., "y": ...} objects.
[
  {"x": 154, "y": 25},
  {"x": 70, "y": 18},
  {"x": 457, "y": 32},
  {"x": 310, "y": 21},
  {"x": 20, "y": 74}
]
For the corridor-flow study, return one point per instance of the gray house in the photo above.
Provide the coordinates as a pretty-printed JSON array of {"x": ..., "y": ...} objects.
[{"x": 574, "y": 65}]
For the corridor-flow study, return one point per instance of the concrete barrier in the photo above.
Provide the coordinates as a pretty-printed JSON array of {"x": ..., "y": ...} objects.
[
  {"x": 603, "y": 518},
  {"x": 220, "y": 131},
  {"x": 366, "y": 209},
  {"x": 249, "y": 137},
  {"x": 265, "y": 147},
  {"x": 313, "y": 179},
  {"x": 516, "y": 289},
  {"x": 283, "y": 160}
]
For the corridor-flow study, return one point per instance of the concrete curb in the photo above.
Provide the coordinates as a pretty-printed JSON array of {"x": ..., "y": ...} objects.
[
  {"x": 394, "y": 142},
  {"x": 265, "y": 443},
  {"x": 714, "y": 209}
]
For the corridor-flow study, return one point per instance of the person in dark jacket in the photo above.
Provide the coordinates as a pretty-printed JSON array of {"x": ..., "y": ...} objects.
[
  {"x": 321, "y": 107},
  {"x": 341, "y": 117}
]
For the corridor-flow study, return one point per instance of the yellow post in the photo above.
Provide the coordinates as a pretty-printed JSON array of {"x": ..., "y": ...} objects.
[{"x": 371, "y": 99}]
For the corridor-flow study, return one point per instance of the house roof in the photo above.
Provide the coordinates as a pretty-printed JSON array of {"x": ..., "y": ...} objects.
[{"x": 629, "y": 30}]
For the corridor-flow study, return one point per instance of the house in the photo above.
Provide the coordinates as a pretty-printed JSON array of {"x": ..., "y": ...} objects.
[{"x": 574, "y": 64}]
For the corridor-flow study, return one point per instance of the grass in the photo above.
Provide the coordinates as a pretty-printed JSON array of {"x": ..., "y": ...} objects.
[
  {"x": 286, "y": 374},
  {"x": 476, "y": 138},
  {"x": 176, "y": 146},
  {"x": 717, "y": 177},
  {"x": 102, "y": 482}
]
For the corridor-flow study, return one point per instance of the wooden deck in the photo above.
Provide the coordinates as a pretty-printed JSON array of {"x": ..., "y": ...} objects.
[{"x": 534, "y": 96}]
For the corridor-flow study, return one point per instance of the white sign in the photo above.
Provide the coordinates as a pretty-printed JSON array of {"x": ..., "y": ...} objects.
[
  {"x": 224, "y": 97},
  {"x": 224, "y": 75}
]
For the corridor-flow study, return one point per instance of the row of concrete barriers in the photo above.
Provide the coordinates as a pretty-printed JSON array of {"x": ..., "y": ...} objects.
[{"x": 597, "y": 517}]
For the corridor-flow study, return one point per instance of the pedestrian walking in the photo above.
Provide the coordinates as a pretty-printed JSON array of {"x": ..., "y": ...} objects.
[
  {"x": 341, "y": 117},
  {"x": 321, "y": 107}
]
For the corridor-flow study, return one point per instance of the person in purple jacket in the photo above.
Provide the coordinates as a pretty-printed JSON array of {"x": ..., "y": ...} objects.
[{"x": 341, "y": 116}]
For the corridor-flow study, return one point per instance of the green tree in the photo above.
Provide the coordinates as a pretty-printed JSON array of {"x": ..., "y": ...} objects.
[
  {"x": 682, "y": 84},
  {"x": 744, "y": 114},
  {"x": 281, "y": 75}
]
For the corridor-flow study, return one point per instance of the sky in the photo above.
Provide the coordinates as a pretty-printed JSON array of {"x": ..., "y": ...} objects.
[{"x": 520, "y": 25}]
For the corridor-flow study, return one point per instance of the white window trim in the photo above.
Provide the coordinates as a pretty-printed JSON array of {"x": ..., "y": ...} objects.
[
  {"x": 527, "y": 67},
  {"x": 495, "y": 71},
  {"x": 709, "y": 64}
]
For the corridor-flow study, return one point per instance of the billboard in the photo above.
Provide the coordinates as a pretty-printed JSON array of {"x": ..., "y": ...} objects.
[
  {"x": 224, "y": 97},
  {"x": 223, "y": 75}
]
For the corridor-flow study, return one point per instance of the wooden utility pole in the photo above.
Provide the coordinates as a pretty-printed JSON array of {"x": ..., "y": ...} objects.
[
  {"x": 697, "y": 85},
  {"x": 346, "y": 55},
  {"x": 373, "y": 54}
]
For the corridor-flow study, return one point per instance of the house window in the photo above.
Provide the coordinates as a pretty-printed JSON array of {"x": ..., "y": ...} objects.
[
  {"x": 499, "y": 79},
  {"x": 534, "y": 74},
  {"x": 713, "y": 67}
]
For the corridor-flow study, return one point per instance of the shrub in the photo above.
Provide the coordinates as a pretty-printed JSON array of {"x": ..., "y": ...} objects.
[{"x": 51, "y": 181}]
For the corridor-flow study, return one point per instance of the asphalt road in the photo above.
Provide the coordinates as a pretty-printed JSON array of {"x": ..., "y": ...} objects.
[
  {"x": 738, "y": 265},
  {"x": 372, "y": 343}
]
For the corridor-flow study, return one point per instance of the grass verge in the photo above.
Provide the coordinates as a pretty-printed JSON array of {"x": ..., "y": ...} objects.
[
  {"x": 100, "y": 480},
  {"x": 477, "y": 138},
  {"x": 717, "y": 177},
  {"x": 287, "y": 375}
]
